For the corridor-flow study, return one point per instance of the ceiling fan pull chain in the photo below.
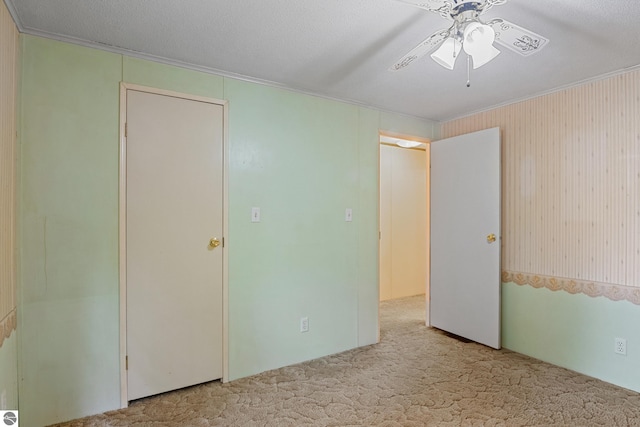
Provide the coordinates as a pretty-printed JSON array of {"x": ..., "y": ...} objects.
[{"x": 468, "y": 71}]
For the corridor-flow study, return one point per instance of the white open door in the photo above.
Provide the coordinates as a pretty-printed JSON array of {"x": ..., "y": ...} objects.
[
  {"x": 465, "y": 236},
  {"x": 174, "y": 259}
]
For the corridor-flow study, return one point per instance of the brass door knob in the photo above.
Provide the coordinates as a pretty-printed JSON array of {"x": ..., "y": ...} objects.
[
  {"x": 214, "y": 243},
  {"x": 491, "y": 238}
]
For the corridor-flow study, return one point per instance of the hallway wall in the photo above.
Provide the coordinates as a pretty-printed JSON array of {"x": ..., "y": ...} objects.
[{"x": 403, "y": 222}]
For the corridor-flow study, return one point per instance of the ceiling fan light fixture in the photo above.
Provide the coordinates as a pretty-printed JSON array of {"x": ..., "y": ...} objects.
[
  {"x": 447, "y": 53},
  {"x": 468, "y": 31},
  {"x": 405, "y": 143}
]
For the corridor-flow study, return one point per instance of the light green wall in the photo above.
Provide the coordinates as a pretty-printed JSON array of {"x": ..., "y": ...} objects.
[
  {"x": 295, "y": 157},
  {"x": 573, "y": 331},
  {"x": 368, "y": 195},
  {"x": 9, "y": 372},
  {"x": 300, "y": 158},
  {"x": 68, "y": 249}
]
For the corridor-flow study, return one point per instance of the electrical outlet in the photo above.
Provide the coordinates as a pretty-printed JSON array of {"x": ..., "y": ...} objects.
[
  {"x": 304, "y": 324},
  {"x": 620, "y": 346}
]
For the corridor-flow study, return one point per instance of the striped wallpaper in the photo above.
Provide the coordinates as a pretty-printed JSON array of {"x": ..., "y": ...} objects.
[
  {"x": 8, "y": 88},
  {"x": 571, "y": 186}
]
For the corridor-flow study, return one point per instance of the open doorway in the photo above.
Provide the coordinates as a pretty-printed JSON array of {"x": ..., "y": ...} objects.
[{"x": 404, "y": 217}]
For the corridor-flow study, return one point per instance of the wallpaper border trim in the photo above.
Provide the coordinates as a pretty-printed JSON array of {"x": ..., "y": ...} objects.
[
  {"x": 593, "y": 289},
  {"x": 7, "y": 326}
]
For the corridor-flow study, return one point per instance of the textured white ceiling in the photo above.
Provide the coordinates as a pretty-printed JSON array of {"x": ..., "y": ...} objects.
[{"x": 344, "y": 48}]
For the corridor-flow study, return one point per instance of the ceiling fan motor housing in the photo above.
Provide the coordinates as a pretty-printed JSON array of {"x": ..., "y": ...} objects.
[
  {"x": 465, "y": 6},
  {"x": 463, "y": 15}
]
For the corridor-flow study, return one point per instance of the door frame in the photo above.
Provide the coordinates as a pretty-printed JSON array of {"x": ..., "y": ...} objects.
[
  {"x": 122, "y": 226},
  {"x": 427, "y": 142}
]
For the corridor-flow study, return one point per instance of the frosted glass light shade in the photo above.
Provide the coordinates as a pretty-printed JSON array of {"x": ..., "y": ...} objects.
[
  {"x": 486, "y": 55},
  {"x": 478, "y": 42},
  {"x": 447, "y": 53}
]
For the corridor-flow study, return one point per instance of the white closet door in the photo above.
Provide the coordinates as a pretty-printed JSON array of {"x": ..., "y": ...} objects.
[{"x": 174, "y": 277}]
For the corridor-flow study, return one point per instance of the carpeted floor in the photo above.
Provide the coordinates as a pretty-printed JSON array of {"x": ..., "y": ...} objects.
[{"x": 416, "y": 376}]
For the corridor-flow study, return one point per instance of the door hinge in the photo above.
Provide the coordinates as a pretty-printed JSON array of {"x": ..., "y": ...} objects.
[
  {"x": 126, "y": 363},
  {"x": 223, "y": 242},
  {"x": 125, "y": 130},
  {"x": 379, "y": 235}
]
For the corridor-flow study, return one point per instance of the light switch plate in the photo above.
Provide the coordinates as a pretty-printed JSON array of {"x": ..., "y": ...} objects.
[
  {"x": 255, "y": 214},
  {"x": 348, "y": 215}
]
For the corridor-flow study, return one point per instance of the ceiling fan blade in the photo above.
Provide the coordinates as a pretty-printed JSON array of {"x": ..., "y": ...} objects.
[
  {"x": 516, "y": 38},
  {"x": 441, "y": 7},
  {"x": 422, "y": 49}
]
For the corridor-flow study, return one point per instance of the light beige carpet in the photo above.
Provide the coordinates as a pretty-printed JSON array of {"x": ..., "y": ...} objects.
[{"x": 416, "y": 376}]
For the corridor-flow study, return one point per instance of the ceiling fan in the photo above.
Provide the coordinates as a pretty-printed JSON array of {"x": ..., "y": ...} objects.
[{"x": 468, "y": 32}]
